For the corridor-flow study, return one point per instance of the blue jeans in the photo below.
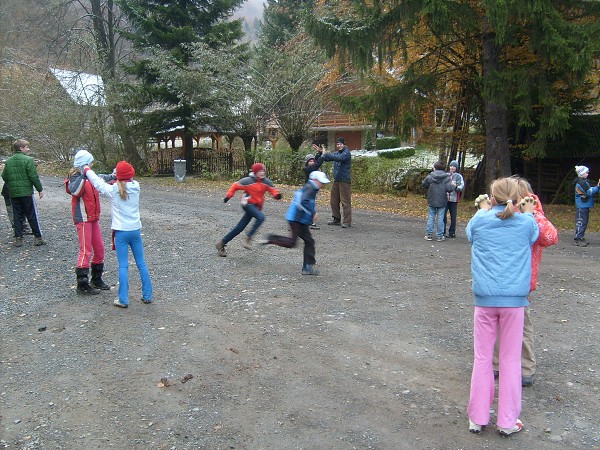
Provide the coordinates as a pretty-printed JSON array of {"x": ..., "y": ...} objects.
[
  {"x": 133, "y": 239},
  {"x": 433, "y": 211},
  {"x": 250, "y": 212},
  {"x": 581, "y": 222}
]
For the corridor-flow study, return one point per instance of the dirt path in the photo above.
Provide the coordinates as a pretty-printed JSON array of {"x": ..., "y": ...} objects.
[{"x": 376, "y": 352}]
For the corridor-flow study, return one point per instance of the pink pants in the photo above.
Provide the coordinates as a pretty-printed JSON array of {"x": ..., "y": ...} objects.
[
  {"x": 486, "y": 323},
  {"x": 90, "y": 241}
]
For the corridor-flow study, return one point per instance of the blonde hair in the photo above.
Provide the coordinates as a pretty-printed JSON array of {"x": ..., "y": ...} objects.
[
  {"x": 505, "y": 191},
  {"x": 523, "y": 186},
  {"x": 20, "y": 143},
  {"x": 73, "y": 171},
  {"x": 122, "y": 184}
]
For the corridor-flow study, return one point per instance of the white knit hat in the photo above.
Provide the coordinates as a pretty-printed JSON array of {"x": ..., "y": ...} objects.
[{"x": 581, "y": 170}]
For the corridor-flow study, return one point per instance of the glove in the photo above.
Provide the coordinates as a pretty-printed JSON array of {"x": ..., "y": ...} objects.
[
  {"x": 226, "y": 199},
  {"x": 278, "y": 197}
]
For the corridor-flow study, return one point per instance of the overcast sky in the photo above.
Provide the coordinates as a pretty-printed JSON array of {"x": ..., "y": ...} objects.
[{"x": 251, "y": 9}]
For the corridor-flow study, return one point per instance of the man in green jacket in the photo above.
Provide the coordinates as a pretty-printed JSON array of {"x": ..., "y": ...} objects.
[{"x": 21, "y": 176}]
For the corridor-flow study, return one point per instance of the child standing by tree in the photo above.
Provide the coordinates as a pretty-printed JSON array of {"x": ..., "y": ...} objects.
[
  {"x": 254, "y": 186},
  {"x": 438, "y": 184},
  {"x": 584, "y": 200},
  {"x": 85, "y": 208},
  {"x": 501, "y": 273},
  {"x": 300, "y": 215},
  {"x": 126, "y": 225}
]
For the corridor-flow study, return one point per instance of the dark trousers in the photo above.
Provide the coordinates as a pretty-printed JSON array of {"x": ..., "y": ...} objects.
[
  {"x": 24, "y": 207},
  {"x": 299, "y": 230},
  {"x": 452, "y": 208},
  {"x": 581, "y": 222}
]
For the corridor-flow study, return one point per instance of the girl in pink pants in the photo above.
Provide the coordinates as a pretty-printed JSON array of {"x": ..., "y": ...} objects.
[{"x": 501, "y": 273}]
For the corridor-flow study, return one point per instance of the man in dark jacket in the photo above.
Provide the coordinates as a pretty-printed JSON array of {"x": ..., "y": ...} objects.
[
  {"x": 341, "y": 190},
  {"x": 438, "y": 184},
  {"x": 21, "y": 176}
]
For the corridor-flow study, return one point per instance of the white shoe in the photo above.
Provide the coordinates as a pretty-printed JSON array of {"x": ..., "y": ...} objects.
[
  {"x": 473, "y": 427},
  {"x": 508, "y": 431},
  {"x": 247, "y": 242}
]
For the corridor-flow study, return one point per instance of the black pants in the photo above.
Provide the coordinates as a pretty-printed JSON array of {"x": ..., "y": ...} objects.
[
  {"x": 24, "y": 207},
  {"x": 452, "y": 209},
  {"x": 299, "y": 230}
]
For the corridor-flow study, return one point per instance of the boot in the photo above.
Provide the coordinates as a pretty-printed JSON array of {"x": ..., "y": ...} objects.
[
  {"x": 83, "y": 287},
  {"x": 309, "y": 269},
  {"x": 97, "y": 270},
  {"x": 221, "y": 248}
]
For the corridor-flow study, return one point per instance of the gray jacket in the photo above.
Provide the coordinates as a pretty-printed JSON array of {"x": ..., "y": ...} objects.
[{"x": 438, "y": 184}]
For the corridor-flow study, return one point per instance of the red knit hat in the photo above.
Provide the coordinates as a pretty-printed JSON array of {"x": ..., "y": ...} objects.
[
  {"x": 125, "y": 171},
  {"x": 256, "y": 167}
]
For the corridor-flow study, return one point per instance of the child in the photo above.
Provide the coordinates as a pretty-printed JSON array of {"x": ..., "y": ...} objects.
[
  {"x": 254, "y": 186},
  {"x": 300, "y": 215},
  {"x": 312, "y": 163},
  {"x": 438, "y": 184},
  {"x": 126, "y": 225},
  {"x": 458, "y": 182},
  {"x": 548, "y": 236},
  {"x": 85, "y": 208},
  {"x": 584, "y": 200},
  {"x": 501, "y": 273}
]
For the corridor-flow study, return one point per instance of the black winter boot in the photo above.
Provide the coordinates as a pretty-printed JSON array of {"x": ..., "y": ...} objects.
[
  {"x": 97, "y": 270},
  {"x": 83, "y": 287}
]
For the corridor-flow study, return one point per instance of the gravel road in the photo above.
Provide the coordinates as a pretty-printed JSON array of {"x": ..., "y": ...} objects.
[{"x": 244, "y": 352}]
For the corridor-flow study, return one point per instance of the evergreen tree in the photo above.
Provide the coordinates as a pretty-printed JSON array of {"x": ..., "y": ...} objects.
[
  {"x": 166, "y": 33},
  {"x": 282, "y": 19},
  {"x": 526, "y": 61}
]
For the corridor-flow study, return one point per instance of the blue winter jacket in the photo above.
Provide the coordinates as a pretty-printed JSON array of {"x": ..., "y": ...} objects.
[
  {"x": 584, "y": 193},
  {"x": 303, "y": 204},
  {"x": 501, "y": 257},
  {"x": 341, "y": 164}
]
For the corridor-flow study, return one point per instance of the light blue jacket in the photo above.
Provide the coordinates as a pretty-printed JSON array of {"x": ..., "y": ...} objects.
[
  {"x": 501, "y": 257},
  {"x": 302, "y": 208}
]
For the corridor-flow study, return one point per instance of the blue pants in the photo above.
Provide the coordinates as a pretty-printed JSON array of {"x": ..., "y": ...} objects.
[
  {"x": 133, "y": 239},
  {"x": 250, "y": 212},
  {"x": 452, "y": 208},
  {"x": 581, "y": 222},
  {"x": 433, "y": 211}
]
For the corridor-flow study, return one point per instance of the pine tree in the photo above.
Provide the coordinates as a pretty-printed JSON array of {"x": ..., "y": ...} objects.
[
  {"x": 164, "y": 32},
  {"x": 526, "y": 61}
]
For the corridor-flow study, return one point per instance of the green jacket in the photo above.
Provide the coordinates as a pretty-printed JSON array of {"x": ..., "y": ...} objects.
[{"x": 21, "y": 175}]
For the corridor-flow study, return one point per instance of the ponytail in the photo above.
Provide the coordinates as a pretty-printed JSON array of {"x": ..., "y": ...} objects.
[{"x": 122, "y": 189}]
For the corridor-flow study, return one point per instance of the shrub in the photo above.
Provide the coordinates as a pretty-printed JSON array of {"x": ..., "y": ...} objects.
[
  {"x": 387, "y": 142},
  {"x": 395, "y": 154}
]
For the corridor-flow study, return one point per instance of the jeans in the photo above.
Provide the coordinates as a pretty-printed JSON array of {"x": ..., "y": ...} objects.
[
  {"x": 133, "y": 239},
  {"x": 250, "y": 211},
  {"x": 452, "y": 208},
  {"x": 581, "y": 222},
  {"x": 433, "y": 211}
]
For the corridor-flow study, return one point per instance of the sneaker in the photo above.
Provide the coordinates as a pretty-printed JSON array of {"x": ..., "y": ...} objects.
[
  {"x": 473, "y": 427},
  {"x": 39, "y": 241},
  {"x": 118, "y": 303},
  {"x": 221, "y": 248},
  {"x": 18, "y": 242},
  {"x": 508, "y": 431},
  {"x": 146, "y": 301},
  {"x": 309, "y": 270},
  {"x": 451, "y": 235},
  {"x": 346, "y": 225},
  {"x": 527, "y": 381},
  {"x": 581, "y": 242},
  {"x": 247, "y": 242},
  {"x": 334, "y": 222},
  {"x": 429, "y": 237},
  {"x": 314, "y": 226},
  {"x": 441, "y": 238},
  {"x": 263, "y": 242}
]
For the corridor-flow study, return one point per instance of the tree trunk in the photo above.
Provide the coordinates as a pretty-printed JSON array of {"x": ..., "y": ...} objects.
[
  {"x": 188, "y": 148},
  {"x": 248, "y": 154},
  {"x": 497, "y": 153}
]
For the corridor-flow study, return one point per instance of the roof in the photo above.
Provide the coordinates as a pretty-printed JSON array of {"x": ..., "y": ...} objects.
[{"x": 83, "y": 88}]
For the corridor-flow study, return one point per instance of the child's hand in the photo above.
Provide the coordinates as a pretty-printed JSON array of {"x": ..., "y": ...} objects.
[
  {"x": 527, "y": 204},
  {"x": 483, "y": 202}
]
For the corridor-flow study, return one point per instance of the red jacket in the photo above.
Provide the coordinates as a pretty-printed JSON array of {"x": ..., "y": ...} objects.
[
  {"x": 254, "y": 190},
  {"x": 548, "y": 236}
]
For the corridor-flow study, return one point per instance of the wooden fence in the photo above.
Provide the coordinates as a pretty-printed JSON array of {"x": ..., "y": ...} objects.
[{"x": 204, "y": 160}]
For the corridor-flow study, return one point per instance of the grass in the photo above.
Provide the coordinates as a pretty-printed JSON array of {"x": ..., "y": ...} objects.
[{"x": 405, "y": 203}]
